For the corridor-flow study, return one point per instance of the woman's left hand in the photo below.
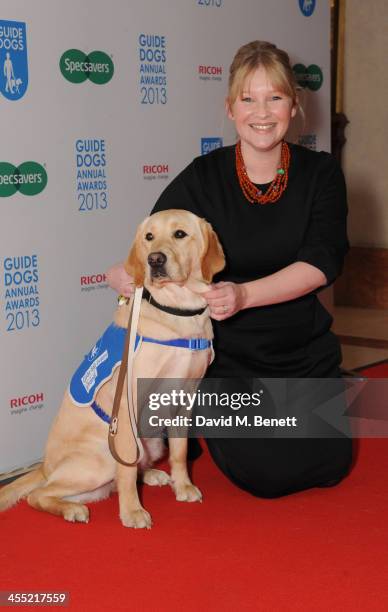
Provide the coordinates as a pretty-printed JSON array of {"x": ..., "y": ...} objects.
[{"x": 224, "y": 299}]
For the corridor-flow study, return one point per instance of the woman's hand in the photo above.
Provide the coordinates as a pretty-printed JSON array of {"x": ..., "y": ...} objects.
[
  {"x": 225, "y": 299},
  {"x": 118, "y": 279}
]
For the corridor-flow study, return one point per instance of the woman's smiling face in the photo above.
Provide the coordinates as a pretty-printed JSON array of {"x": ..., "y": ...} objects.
[{"x": 261, "y": 113}]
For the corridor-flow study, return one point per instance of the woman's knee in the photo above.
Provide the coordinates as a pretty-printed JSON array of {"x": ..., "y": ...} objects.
[
  {"x": 271, "y": 470},
  {"x": 253, "y": 474}
]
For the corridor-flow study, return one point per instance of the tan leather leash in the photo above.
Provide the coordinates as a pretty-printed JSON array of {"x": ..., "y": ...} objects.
[{"x": 126, "y": 367}]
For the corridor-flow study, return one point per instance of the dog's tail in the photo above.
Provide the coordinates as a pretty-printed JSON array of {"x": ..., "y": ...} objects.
[{"x": 10, "y": 494}]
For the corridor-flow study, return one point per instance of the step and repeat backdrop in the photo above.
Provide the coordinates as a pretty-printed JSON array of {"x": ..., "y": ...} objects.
[{"x": 102, "y": 104}]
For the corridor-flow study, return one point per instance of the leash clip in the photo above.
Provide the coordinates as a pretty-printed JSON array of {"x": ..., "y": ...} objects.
[
  {"x": 113, "y": 426},
  {"x": 121, "y": 300}
]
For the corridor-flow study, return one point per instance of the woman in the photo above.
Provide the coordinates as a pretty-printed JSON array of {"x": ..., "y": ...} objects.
[{"x": 280, "y": 213}]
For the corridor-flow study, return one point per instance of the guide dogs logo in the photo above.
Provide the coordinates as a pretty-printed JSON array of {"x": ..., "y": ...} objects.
[
  {"x": 76, "y": 66},
  {"x": 310, "y": 77},
  {"x": 210, "y": 143},
  {"x": 30, "y": 178},
  {"x": 13, "y": 59},
  {"x": 21, "y": 284},
  {"x": 307, "y": 7}
]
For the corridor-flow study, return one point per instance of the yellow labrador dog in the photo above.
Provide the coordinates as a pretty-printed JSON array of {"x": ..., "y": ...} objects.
[{"x": 174, "y": 256}]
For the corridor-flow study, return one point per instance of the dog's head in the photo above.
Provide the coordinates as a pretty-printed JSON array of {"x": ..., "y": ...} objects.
[{"x": 173, "y": 246}]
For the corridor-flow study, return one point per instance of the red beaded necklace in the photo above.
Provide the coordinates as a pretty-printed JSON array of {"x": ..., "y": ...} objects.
[{"x": 276, "y": 188}]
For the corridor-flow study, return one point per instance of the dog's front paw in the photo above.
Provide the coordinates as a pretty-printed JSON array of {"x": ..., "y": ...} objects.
[
  {"x": 187, "y": 492},
  {"x": 154, "y": 478},
  {"x": 76, "y": 513},
  {"x": 137, "y": 519}
]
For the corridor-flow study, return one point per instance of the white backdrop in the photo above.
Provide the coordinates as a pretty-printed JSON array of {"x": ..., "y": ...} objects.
[{"x": 54, "y": 300}]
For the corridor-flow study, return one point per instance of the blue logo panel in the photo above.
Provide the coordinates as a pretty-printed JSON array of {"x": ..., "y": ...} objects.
[
  {"x": 209, "y": 144},
  {"x": 307, "y": 7},
  {"x": 13, "y": 59},
  {"x": 98, "y": 365}
]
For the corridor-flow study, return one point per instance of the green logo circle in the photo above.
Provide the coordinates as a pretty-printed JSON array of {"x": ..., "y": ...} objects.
[
  {"x": 72, "y": 66},
  {"x": 8, "y": 186},
  {"x": 99, "y": 67},
  {"x": 32, "y": 178},
  {"x": 76, "y": 66},
  {"x": 310, "y": 77},
  {"x": 314, "y": 77},
  {"x": 300, "y": 74}
]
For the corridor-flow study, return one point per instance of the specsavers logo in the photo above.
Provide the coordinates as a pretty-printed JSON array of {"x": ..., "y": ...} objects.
[
  {"x": 310, "y": 77},
  {"x": 30, "y": 178},
  {"x": 13, "y": 59},
  {"x": 76, "y": 66}
]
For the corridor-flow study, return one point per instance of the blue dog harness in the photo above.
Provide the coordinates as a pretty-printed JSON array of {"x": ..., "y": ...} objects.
[{"x": 100, "y": 363}]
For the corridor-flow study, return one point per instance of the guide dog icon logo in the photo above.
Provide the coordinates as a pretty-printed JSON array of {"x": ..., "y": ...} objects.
[
  {"x": 307, "y": 7},
  {"x": 13, "y": 59}
]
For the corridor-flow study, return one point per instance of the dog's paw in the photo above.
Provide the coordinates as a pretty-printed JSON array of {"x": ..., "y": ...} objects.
[
  {"x": 76, "y": 513},
  {"x": 155, "y": 478},
  {"x": 137, "y": 519},
  {"x": 187, "y": 492}
]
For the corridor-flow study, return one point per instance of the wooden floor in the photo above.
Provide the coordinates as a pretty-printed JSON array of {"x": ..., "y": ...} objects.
[{"x": 363, "y": 334}]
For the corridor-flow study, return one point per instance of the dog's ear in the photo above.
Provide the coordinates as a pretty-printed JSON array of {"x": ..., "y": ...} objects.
[
  {"x": 134, "y": 266},
  {"x": 213, "y": 258}
]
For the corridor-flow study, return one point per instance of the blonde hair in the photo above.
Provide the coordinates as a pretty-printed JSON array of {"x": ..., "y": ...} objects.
[{"x": 275, "y": 61}]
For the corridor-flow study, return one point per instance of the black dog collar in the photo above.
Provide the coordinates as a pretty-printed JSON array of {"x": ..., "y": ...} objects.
[{"x": 180, "y": 312}]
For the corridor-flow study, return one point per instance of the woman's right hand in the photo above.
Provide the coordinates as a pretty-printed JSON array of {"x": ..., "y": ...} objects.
[{"x": 118, "y": 279}]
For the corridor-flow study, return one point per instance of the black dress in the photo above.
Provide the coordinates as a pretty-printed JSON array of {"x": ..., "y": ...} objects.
[{"x": 287, "y": 340}]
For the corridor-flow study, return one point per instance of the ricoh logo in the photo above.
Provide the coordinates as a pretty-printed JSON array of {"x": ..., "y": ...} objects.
[
  {"x": 77, "y": 67},
  {"x": 91, "y": 282},
  {"x": 13, "y": 59},
  {"x": 155, "y": 171},
  {"x": 92, "y": 184},
  {"x": 30, "y": 178},
  {"x": 309, "y": 141},
  {"x": 25, "y": 403},
  {"x": 210, "y": 73},
  {"x": 209, "y": 144},
  {"x": 21, "y": 278},
  {"x": 310, "y": 77},
  {"x": 307, "y": 7},
  {"x": 153, "y": 68}
]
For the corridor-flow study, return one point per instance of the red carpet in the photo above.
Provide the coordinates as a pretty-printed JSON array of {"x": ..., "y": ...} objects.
[
  {"x": 379, "y": 370},
  {"x": 316, "y": 550}
]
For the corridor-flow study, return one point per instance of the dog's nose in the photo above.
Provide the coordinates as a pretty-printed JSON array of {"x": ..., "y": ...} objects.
[{"x": 157, "y": 259}]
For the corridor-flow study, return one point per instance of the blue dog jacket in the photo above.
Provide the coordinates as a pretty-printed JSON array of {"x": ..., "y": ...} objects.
[{"x": 100, "y": 363}]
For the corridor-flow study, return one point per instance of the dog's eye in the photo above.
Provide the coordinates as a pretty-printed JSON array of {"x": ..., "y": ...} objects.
[
  {"x": 149, "y": 236},
  {"x": 179, "y": 234}
]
